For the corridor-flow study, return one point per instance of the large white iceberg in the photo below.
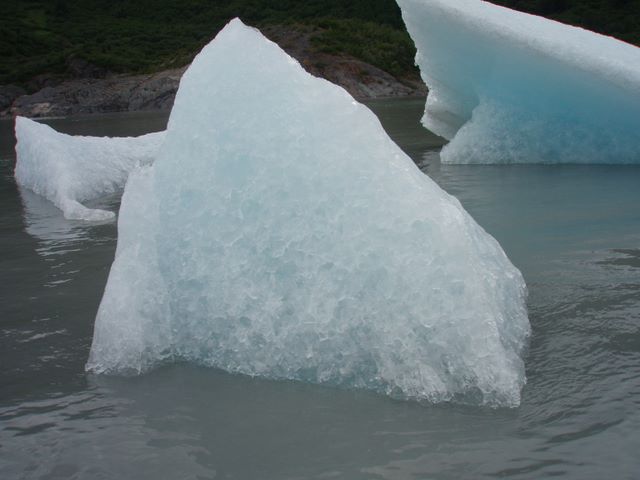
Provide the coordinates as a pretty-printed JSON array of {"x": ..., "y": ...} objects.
[
  {"x": 281, "y": 233},
  {"x": 508, "y": 87},
  {"x": 69, "y": 170}
]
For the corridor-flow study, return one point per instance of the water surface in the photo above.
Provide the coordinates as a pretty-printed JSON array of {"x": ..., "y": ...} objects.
[{"x": 574, "y": 231}]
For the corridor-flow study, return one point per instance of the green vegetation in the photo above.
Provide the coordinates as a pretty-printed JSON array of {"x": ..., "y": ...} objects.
[
  {"x": 39, "y": 36},
  {"x": 384, "y": 46},
  {"x": 618, "y": 18}
]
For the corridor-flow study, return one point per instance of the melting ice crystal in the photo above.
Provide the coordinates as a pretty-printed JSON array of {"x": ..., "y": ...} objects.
[{"x": 281, "y": 233}]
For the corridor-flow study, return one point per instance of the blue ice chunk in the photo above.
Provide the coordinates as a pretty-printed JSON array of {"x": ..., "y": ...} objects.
[
  {"x": 508, "y": 87},
  {"x": 281, "y": 233}
]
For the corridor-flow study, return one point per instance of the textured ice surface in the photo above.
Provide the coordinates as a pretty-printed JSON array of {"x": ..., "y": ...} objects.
[
  {"x": 281, "y": 233},
  {"x": 69, "y": 170},
  {"x": 507, "y": 87}
]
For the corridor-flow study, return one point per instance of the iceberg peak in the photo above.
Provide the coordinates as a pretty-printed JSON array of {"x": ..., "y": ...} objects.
[{"x": 281, "y": 233}]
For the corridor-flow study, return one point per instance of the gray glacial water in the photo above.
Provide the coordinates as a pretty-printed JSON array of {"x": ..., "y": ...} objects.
[{"x": 574, "y": 231}]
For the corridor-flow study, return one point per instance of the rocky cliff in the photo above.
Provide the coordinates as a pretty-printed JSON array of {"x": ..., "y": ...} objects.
[{"x": 92, "y": 90}]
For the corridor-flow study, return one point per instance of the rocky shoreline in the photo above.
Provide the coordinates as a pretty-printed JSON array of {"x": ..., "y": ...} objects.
[
  {"x": 117, "y": 93},
  {"x": 95, "y": 91}
]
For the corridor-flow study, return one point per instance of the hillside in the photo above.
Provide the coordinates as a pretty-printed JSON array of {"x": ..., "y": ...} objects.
[
  {"x": 617, "y": 18},
  {"x": 66, "y": 57},
  {"x": 39, "y": 36}
]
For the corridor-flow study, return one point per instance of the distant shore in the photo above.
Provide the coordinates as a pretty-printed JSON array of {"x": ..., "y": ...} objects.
[{"x": 94, "y": 91}]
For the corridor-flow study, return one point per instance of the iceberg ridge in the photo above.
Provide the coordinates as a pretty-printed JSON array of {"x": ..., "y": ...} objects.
[
  {"x": 281, "y": 233},
  {"x": 509, "y": 87},
  {"x": 68, "y": 170}
]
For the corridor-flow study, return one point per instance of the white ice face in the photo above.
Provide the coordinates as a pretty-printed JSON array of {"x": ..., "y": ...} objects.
[
  {"x": 281, "y": 233},
  {"x": 507, "y": 87},
  {"x": 69, "y": 170}
]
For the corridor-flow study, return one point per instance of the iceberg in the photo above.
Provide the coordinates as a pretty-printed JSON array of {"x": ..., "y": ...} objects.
[
  {"x": 508, "y": 87},
  {"x": 281, "y": 233},
  {"x": 69, "y": 170}
]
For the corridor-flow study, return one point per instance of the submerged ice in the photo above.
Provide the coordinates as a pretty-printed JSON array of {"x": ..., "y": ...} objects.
[
  {"x": 69, "y": 170},
  {"x": 281, "y": 233},
  {"x": 508, "y": 87}
]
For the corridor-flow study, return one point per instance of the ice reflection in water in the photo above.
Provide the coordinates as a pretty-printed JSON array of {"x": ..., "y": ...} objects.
[
  {"x": 56, "y": 236},
  {"x": 45, "y": 222}
]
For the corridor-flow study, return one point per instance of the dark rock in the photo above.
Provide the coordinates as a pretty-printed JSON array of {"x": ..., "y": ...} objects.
[
  {"x": 45, "y": 80},
  {"x": 80, "y": 68},
  {"x": 112, "y": 94},
  {"x": 156, "y": 92},
  {"x": 116, "y": 93},
  {"x": 8, "y": 94}
]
